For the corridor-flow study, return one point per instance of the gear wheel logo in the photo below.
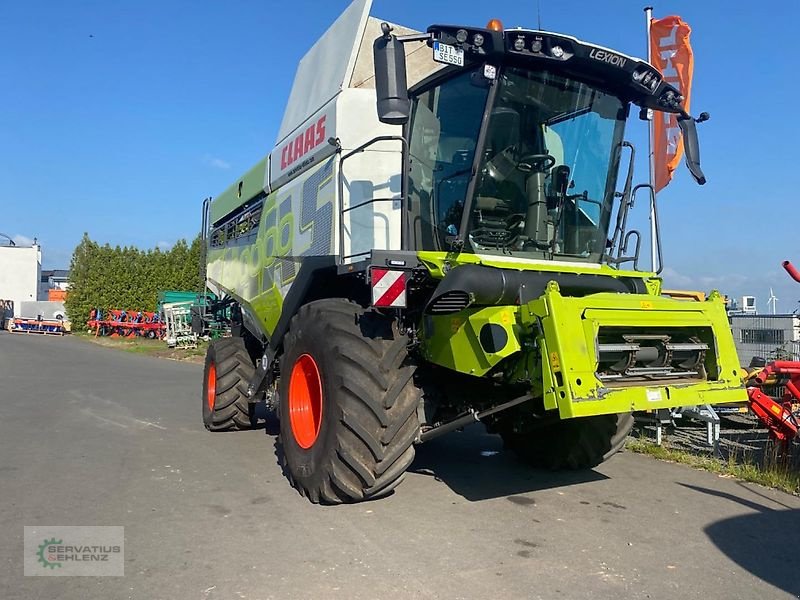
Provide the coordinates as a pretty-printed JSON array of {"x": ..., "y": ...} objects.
[{"x": 47, "y": 560}]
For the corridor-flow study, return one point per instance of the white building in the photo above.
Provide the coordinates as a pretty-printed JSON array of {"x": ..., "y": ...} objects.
[{"x": 20, "y": 272}]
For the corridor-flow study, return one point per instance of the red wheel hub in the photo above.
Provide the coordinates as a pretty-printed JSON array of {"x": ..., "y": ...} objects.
[
  {"x": 305, "y": 401},
  {"x": 211, "y": 386}
]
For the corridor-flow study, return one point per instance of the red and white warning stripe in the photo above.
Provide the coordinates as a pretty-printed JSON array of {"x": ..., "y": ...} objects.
[{"x": 388, "y": 287}]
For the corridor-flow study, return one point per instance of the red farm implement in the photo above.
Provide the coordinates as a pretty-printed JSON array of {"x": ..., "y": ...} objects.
[
  {"x": 126, "y": 323},
  {"x": 777, "y": 413}
]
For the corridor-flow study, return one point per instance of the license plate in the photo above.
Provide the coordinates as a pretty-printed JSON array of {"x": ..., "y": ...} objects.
[{"x": 449, "y": 55}]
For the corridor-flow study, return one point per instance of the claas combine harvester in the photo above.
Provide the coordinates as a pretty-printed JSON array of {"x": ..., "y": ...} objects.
[{"x": 460, "y": 254}]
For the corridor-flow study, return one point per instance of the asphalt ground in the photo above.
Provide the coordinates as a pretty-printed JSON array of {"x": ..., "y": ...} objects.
[{"x": 94, "y": 436}]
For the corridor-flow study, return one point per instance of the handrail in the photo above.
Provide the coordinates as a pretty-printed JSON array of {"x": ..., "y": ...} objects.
[
  {"x": 625, "y": 203},
  {"x": 343, "y": 210}
]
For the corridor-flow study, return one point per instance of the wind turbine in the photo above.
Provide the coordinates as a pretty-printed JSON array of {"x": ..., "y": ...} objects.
[{"x": 772, "y": 301}]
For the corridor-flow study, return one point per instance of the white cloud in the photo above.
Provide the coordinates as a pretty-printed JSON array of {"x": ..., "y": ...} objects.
[
  {"x": 217, "y": 163},
  {"x": 164, "y": 245},
  {"x": 674, "y": 279}
]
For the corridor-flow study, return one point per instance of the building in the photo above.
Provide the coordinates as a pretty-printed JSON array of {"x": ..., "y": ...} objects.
[
  {"x": 53, "y": 285},
  {"x": 773, "y": 337},
  {"x": 20, "y": 273}
]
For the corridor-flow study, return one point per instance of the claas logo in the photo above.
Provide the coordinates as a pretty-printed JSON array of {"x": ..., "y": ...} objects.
[{"x": 303, "y": 143}]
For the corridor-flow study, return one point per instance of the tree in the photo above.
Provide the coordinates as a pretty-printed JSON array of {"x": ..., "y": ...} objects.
[{"x": 129, "y": 278}]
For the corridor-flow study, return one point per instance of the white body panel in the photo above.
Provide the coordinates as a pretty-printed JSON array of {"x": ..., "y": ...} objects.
[{"x": 371, "y": 174}]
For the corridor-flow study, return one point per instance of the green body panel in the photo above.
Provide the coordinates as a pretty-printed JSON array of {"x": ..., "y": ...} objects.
[
  {"x": 552, "y": 343},
  {"x": 463, "y": 351},
  {"x": 569, "y": 329},
  {"x": 252, "y": 185}
]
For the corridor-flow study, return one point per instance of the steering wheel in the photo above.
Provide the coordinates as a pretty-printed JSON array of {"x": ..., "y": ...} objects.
[{"x": 538, "y": 163}]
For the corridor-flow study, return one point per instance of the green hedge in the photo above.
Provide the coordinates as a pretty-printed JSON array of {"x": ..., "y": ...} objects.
[{"x": 128, "y": 278}]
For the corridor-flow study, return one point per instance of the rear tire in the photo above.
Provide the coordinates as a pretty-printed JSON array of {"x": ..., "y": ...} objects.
[
  {"x": 579, "y": 443},
  {"x": 347, "y": 403},
  {"x": 227, "y": 375}
]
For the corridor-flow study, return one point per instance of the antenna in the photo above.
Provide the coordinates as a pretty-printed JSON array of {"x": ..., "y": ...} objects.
[
  {"x": 772, "y": 301},
  {"x": 539, "y": 13}
]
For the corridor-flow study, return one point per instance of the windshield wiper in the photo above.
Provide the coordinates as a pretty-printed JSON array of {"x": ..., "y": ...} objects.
[{"x": 561, "y": 117}]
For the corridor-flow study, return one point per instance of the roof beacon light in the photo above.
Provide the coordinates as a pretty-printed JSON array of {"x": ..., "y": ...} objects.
[{"x": 494, "y": 25}]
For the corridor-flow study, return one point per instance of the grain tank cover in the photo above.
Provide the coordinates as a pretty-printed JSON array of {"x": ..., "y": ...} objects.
[{"x": 327, "y": 68}]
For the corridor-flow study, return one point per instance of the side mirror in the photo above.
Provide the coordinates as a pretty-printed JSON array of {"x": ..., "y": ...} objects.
[
  {"x": 691, "y": 147},
  {"x": 394, "y": 106}
]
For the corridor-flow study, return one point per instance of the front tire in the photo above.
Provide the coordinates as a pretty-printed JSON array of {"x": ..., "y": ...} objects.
[
  {"x": 579, "y": 443},
  {"x": 227, "y": 374},
  {"x": 347, "y": 403}
]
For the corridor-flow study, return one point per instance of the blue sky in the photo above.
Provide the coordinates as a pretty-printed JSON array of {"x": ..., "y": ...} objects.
[{"x": 117, "y": 118}]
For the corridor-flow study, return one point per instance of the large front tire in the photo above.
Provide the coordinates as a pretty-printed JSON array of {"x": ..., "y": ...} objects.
[
  {"x": 348, "y": 403},
  {"x": 580, "y": 443},
  {"x": 227, "y": 374}
]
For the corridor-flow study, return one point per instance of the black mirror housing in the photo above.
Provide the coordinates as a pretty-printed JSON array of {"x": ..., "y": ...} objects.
[
  {"x": 691, "y": 147},
  {"x": 391, "y": 88}
]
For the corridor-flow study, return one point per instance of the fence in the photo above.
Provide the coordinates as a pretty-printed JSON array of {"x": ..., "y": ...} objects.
[{"x": 773, "y": 337}]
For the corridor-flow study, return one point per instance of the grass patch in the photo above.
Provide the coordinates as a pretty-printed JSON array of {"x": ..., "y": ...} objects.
[
  {"x": 774, "y": 472},
  {"x": 140, "y": 345}
]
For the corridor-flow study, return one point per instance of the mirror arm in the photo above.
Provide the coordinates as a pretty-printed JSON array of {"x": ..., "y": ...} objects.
[{"x": 415, "y": 37}]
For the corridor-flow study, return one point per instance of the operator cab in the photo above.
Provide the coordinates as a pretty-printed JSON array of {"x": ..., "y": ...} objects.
[{"x": 514, "y": 147}]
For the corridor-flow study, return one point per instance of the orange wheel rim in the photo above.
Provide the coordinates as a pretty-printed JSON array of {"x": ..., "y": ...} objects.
[
  {"x": 305, "y": 401},
  {"x": 211, "y": 387}
]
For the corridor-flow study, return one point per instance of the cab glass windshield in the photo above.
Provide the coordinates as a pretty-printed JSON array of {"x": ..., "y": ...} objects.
[{"x": 546, "y": 180}]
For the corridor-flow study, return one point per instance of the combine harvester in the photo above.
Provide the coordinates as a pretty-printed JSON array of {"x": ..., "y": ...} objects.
[{"x": 458, "y": 255}]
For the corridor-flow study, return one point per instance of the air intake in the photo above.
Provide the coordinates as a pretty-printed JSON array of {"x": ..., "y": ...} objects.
[{"x": 449, "y": 302}]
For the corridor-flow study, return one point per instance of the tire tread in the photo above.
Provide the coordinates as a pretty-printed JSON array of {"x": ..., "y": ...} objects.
[{"x": 376, "y": 396}]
